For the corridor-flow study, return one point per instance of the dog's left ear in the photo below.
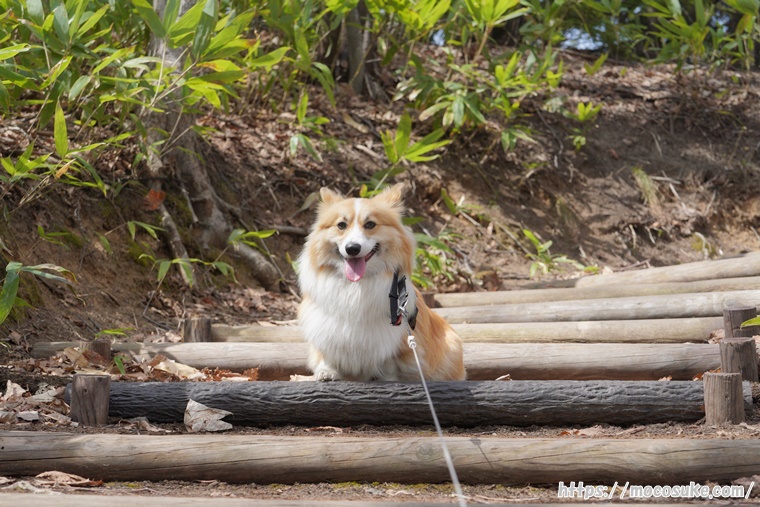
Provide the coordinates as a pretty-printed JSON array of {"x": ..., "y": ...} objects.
[
  {"x": 393, "y": 196},
  {"x": 329, "y": 196}
]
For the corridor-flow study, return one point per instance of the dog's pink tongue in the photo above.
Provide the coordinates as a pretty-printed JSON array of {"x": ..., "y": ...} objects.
[{"x": 355, "y": 268}]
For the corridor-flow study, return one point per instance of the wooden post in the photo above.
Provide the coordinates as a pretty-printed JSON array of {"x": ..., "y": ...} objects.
[
  {"x": 196, "y": 330},
  {"x": 733, "y": 318},
  {"x": 90, "y": 396},
  {"x": 739, "y": 355},
  {"x": 724, "y": 401},
  {"x": 102, "y": 346}
]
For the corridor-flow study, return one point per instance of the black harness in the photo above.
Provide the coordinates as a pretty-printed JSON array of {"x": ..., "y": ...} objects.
[{"x": 399, "y": 297}]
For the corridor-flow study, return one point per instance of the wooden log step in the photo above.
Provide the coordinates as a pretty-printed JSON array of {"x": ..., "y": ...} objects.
[
  {"x": 601, "y": 292},
  {"x": 95, "y": 500},
  {"x": 285, "y": 460},
  {"x": 484, "y": 361},
  {"x": 709, "y": 304},
  {"x": 735, "y": 267},
  {"x": 695, "y": 329},
  {"x": 462, "y": 404}
]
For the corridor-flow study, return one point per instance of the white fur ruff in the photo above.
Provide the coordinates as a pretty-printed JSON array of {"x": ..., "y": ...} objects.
[{"x": 349, "y": 324}]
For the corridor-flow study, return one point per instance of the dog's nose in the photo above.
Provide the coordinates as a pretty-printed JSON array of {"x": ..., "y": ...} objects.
[{"x": 353, "y": 249}]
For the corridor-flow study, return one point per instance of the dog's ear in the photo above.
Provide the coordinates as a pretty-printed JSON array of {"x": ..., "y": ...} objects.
[
  {"x": 329, "y": 196},
  {"x": 393, "y": 196}
]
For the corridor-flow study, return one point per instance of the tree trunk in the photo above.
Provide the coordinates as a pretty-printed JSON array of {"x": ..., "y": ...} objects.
[
  {"x": 356, "y": 50},
  {"x": 182, "y": 151}
]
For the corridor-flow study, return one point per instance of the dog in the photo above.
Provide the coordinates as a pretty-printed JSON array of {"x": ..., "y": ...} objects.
[{"x": 357, "y": 253}]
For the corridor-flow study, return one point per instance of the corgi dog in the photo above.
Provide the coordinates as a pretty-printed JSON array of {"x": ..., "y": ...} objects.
[{"x": 355, "y": 251}]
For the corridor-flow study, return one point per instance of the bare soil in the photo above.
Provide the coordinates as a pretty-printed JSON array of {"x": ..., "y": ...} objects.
[{"x": 695, "y": 134}]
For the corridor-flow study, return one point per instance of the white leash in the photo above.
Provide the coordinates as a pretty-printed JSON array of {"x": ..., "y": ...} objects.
[{"x": 446, "y": 455}]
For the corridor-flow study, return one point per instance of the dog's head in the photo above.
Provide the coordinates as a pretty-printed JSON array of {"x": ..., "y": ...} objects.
[{"x": 361, "y": 237}]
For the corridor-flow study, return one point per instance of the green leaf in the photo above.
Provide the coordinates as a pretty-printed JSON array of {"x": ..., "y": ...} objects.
[
  {"x": 390, "y": 147},
  {"x": 183, "y": 30},
  {"x": 170, "y": 14},
  {"x": 111, "y": 58},
  {"x": 92, "y": 21},
  {"x": 323, "y": 74},
  {"x": 426, "y": 145},
  {"x": 594, "y": 68},
  {"x": 163, "y": 268},
  {"x": 11, "y": 51},
  {"x": 205, "y": 28},
  {"x": 474, "y": 110},
  {"x": 306, "y": 142},
  {"x": 146, "y": 12},
  {"x": 751, "y": 322},
  {"x": 9, "y": 291},
  {"x": 150, "y": 229},
  {"x": 269, "y": 60},
  {"x": 224, "y": 268},
  {"x": 5, "y": 97},
  {"x": 61, "y": 23},
  {"x": 36, "y": 11},
  {"x": 79, "y": 11},
  {"x": 38, "y": 270},
  {"x": 119, "y": 362},
  {"x": 302, "y": 48},
  {"x": 78, "y": 86},
  {"x": 228, "y": 34},
  {"x": 105, "y": 243},
  {"x": 303, "y": 104},
  {"x": 457, "y": 109},
  {"x": 403, "y": 134},
  {"x": 432, "y": 110},
  {"x": 56, "y": 71},
  {"x": 60, "y": 132},
  {"x": 449, "y": 202}
]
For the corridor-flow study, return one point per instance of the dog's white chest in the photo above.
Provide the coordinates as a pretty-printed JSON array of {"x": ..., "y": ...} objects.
[{"x": 350, "y": 324}]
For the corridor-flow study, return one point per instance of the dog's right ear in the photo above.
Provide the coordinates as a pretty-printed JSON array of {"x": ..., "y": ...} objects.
[{"x": 329, "y": 196}]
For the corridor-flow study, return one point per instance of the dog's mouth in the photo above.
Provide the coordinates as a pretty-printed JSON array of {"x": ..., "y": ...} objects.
[{"x": 355, "y": 267}]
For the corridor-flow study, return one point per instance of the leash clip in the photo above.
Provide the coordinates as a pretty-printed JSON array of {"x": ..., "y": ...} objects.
[{"x": 399, "y": 299}]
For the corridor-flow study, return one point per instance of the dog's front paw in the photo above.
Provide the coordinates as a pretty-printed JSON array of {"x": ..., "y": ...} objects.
[{"x": 327, "y": 374}]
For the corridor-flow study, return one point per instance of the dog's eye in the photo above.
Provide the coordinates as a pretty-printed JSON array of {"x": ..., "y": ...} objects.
[
  {"x": 342, "y": 225},
  {"x": 370, "y": 225}
]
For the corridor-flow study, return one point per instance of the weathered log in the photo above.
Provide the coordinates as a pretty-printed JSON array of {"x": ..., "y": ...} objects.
[
  {"x": 601, "y": 292},
  {"x": 724, "y": 403},
  {"x": 590, "y": 361},
  {"x": 128, "y": 500},
  {"x": 89, "y": 399},
  {"x": 734, "y": 316},
  {"x": 255, "y": 333},
  {"x": 709, "y": 304},
  {"x": 695, "y": 329},
  {"x": 278, "y": 459},
  {"x": 196, "y": 330},
  {"x": 739, "y": 355},
  {"x": 102, "y": 347},
  {"x": 734, "y": 267},
  {"x": 463, "y": 404},
  {"x": 484, "y": 361}
]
